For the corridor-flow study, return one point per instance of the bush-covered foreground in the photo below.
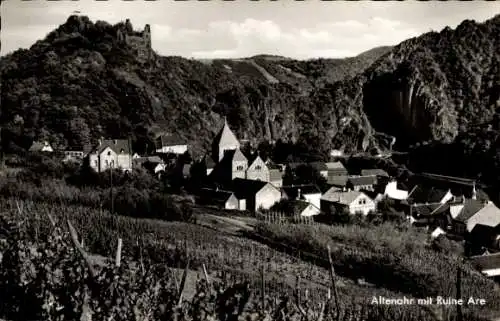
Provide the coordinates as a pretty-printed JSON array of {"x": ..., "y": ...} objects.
[
  {"x": 54, "y": 279},
  {"x": 41, "y": 266},
  {"x": 395, "y": 259}
]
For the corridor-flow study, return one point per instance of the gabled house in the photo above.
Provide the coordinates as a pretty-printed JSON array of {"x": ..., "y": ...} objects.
[
  {"x": 38, "y": 147},
  {"x": 258, "y": 170},
  {"x": 336, "y": 169},
  {"x": 460, "y": 214},
  {"x": 295, "y": 207},
  {"x": 224, "y": 141},
  {"x": 434, "y": 215},
  {"x": 321, "y": 168},
  {"x": 357, "y": 183},
  {"x": 488, "y": 215},
  {"x": 429, "y": 194},
  {"x": 111, "y": 153},
  {"x": 258, "y": 194},
  {"x": 222, "y": 199},
  {"x": 351, "y": 201},
  {"x": 309, "y": 193},
  {"x": 171, "y": 143}
]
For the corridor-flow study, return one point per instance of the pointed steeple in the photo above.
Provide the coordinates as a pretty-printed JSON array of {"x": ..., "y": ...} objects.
[{"x": 225, "y": 140}]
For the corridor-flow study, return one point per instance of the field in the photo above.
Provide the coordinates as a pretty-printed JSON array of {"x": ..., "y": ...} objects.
[{"x": 277, "y": 272}]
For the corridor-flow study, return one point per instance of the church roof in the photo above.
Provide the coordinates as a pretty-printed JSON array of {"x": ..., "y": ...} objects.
[{"x": 226, "y": 137}]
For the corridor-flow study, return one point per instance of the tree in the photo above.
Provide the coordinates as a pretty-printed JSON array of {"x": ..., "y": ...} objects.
[{"x": 79, "y": 132}]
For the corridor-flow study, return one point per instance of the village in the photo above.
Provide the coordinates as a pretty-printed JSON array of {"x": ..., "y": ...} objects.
[{"x": 234, "y": 181}]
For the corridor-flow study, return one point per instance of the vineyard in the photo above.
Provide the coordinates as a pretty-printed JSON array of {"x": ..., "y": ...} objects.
[{"x": 174, "y": 271}]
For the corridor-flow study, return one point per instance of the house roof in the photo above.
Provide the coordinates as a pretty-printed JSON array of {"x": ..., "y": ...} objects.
[
  {"x": 486, "y": 262},
  {"x": 488, "y": 215},
  {"x": 335, "y": 196},
  {"x": 170, "y": 140},
  {"x": 226, "y": 137},
  {"x": 256, "y": 158},
  {"x": 306, "y": 189},
  {"x": 471, "y": 207},
  {"x": 335, "y": 165},
  {"x": 292, "y": 207},
  {"x": 427, "y": 194},
  {"x": 215, "y": 194},
  {"x": 245, "y": 188},
  {"x": 429, "y": 209},
  {"x": 38, "y": 146},
  {"x": 319, "y": 166},
  {"x": 337, "y": 180},
  {"x": 362, "y": 180},
  {"x": 374, "y": 171},
  {"x": 151, "y": 159},
  {"x": 116, "y": 145}
]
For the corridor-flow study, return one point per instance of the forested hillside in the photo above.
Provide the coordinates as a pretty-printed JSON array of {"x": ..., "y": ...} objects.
[
  {"x": 90, "y": 79},
  {"x": 86, "y": 80}
]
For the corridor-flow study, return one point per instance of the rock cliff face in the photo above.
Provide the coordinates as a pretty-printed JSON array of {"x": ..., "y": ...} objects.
[
  {"x": 86, "y": 80},
  {"x": 433, "y": 87}
]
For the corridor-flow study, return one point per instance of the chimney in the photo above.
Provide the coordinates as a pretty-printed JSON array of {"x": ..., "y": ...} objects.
[
  {"x": 115, "y": 141},
  {"x": 100, "y": 140},
  {"x": 298, "y": 193}
]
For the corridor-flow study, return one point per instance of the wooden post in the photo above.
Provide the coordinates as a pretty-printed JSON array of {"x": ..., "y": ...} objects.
[
  {"x": 118, "y": 253},
  {"x": 111, "y": 196},
  {"x": 332, "y": 275},
  {"x": 263, "y": 287},
  {"x": 459, "y": 293}
]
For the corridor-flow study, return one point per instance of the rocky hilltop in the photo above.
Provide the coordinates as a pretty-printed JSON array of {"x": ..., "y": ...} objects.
[{"x": 86, "y": 80}]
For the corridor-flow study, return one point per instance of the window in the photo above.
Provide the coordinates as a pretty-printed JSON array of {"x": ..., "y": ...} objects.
[
  {"x": 109, "y": 153},
  {"x": 258, "y": 167},
  {"x": 239, "y": 168}
]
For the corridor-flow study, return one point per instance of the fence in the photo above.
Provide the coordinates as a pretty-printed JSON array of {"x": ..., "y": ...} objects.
[{"x": 280, "y": 218}]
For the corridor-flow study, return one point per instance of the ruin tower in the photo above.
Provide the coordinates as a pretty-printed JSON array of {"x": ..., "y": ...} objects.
[{"x": 146, "y": 35}]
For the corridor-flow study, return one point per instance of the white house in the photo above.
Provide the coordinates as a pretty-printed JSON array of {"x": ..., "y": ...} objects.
[
  {"x": 352, "y": 201},
  {"x": 171, "y": 143},
  {"x": 113, "y": 153},
  {"x": 258, "y": 194},
  {"x": 41, "y": 147}
]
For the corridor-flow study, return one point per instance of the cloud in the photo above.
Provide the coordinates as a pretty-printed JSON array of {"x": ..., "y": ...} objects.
[{"x": 232, "y": 39}]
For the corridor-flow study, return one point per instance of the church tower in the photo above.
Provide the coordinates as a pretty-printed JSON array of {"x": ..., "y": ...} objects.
[{"x": 224, "y": 141}]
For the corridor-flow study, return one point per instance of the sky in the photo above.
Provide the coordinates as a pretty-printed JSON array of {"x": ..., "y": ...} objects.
[{"x": 243, "y": 28}]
